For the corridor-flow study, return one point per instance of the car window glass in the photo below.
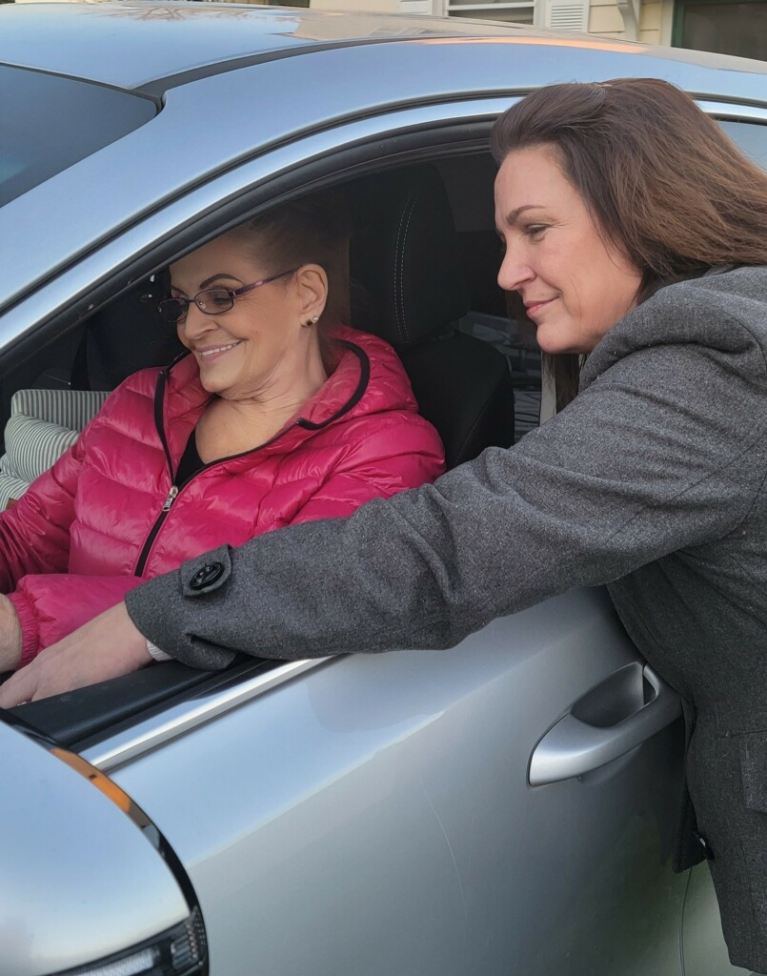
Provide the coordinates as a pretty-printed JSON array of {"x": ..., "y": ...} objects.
[
  {"x": 48, "y": 123},
  {"x": 751, "y": 138}
]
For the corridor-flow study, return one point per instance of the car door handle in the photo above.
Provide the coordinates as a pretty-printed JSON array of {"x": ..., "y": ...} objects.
[{"x": 631, "y": 705}]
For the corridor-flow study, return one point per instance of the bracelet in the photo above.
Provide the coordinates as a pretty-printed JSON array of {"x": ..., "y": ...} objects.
[{"x": 156, "y": 653}]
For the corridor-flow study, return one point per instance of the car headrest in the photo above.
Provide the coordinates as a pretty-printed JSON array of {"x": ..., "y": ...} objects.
[{"x": 404, "y": 258}]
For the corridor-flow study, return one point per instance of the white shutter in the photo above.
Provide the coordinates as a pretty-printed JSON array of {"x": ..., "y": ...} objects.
[
  {"x": 567, "y": 15},
  {"x": 420, "y": 6}
]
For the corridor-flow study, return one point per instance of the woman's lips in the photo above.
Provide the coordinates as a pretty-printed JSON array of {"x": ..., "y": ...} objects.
[
  {"x": 215, "y": 352},
  {"x": 534, "y": 307}
]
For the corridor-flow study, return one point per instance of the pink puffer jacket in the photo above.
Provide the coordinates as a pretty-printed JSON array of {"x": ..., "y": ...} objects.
[{"x": 108, "y": 515}]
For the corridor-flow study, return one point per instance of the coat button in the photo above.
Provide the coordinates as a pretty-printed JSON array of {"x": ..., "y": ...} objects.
[
  {"x": 206, "y": 576},
  {"x": 707, "y": 852}
]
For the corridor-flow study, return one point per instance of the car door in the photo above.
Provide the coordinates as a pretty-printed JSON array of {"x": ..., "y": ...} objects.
[{"x": 375, "y": 814}]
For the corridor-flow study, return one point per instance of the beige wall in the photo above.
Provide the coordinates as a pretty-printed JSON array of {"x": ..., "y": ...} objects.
[{"x": 606, "y": 20}]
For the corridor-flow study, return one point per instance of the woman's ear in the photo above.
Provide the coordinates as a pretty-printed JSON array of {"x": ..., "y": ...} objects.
[{"x": 312, "y": 288}]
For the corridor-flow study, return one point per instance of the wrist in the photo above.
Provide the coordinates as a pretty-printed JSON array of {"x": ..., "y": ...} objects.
[
  {"x": 129, "y": 640},
  {"x": 156, "y": 653}
]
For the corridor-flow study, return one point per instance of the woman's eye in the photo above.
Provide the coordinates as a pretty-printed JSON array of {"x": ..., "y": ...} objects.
[
  {"x": 535, "y": 231},
  {"x": 218, "y": 298}
]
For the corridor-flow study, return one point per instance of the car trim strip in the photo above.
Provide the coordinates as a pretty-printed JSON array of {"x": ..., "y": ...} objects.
[
  {"x": 157, "y": 87},
  {"x": 144, "y": 93},
  {"x": 190, "y": 714}
]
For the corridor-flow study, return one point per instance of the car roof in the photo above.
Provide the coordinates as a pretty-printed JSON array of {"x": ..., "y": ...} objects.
[
  {"x": 158, "y": 44},
  {"x": 129, "y": 43},
  {"x": 272, "y": 110}
]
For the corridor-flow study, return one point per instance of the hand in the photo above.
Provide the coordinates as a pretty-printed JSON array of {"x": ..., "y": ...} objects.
[
  {"x": 10, "y": 635},
  {"x": 105, "y": 647}
]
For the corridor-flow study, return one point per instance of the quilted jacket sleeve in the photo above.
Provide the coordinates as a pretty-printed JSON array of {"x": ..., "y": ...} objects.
[
  {"x": 404, "y": 452},
  {"x": 34, "y": 534},
  {"x": 50, "y": 606}
]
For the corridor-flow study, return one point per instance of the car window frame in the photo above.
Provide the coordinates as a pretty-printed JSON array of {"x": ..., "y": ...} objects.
[{"x": 187, "y": 705}]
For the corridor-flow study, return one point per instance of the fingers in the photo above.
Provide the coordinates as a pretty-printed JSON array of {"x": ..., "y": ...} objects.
[
  {"x": 105, "y": 647},
  {"x": 20, "y": 687}
]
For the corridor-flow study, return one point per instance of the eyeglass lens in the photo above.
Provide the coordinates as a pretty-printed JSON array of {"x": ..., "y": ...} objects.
[{"x": 209, "y": 302}]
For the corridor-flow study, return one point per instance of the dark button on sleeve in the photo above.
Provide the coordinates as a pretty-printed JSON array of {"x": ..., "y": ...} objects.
[
  {"x": 206, "y": 576},
  {"x": 207, "y": 573}
]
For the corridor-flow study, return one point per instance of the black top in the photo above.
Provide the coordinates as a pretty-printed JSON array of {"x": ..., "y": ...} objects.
[{"x": 190, "y": 462}]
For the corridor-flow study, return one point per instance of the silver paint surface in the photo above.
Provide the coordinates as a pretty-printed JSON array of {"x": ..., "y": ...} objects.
[{"x": 78, "y": 879}]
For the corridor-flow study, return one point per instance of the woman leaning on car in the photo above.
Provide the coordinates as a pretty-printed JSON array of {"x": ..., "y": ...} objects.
[{"x": 635, "y": 234}]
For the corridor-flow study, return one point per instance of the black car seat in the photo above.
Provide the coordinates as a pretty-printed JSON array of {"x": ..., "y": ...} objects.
[
  {"x": 405, "y": 258},
  {"x": 124, "y": 336}
]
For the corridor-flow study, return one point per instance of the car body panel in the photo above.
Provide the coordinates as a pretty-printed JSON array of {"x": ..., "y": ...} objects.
[
  {"x": 379, "y": 806},
  {"x": 106, "y": 887}
]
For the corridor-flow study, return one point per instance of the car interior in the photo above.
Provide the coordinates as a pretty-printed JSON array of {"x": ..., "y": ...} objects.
[{"x": 423, "y": 261}]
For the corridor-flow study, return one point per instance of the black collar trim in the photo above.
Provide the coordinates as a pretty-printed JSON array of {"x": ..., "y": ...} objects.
[{"x": 355, "y": 398}]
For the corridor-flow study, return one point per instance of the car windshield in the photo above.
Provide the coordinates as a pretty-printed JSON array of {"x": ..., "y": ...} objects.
[{"x": 48, "y": 122}]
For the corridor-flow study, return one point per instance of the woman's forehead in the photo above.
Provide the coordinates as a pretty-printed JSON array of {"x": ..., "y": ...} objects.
[
  {"x": 530, "y": 177},
  {"x": 229, "y": 254}
]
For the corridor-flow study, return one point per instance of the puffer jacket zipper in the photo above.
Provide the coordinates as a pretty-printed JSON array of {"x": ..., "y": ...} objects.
[
  {"x": 175, "y": 490},
  {"x": 159, "y": 399}
]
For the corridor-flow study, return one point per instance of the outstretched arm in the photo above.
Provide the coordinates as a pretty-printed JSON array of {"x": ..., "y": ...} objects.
[{"x": 665, "y": 450}]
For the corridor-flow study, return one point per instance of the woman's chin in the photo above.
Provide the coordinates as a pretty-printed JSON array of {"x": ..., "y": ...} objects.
[
  {"x": 211, "y": 383},
  {"x": 554, "y": 343},
  {"x": 554, "y": 346}
]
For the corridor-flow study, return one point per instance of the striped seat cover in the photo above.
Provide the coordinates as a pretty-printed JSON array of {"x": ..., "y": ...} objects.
[{"x": 43, "y": 424}]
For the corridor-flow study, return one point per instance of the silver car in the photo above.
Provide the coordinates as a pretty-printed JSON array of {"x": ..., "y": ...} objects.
[{"x": 506, "y": 807}]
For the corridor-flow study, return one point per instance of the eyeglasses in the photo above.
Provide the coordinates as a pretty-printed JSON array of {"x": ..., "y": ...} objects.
[{"x": 210, "y": 301}]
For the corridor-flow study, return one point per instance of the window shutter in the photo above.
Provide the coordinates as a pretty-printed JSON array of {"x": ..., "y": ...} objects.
[
  {"x": 567, "y": 15},
  {"x": 420, "y": 7}
]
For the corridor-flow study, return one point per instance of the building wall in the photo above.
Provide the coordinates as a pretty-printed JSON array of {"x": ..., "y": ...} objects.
[
  {"x": 655, "y": 18},
  {"x": 605, "y": 18}
]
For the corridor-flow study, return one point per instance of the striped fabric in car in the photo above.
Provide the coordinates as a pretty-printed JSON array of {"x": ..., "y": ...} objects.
[{"x": 43, "y": 424}]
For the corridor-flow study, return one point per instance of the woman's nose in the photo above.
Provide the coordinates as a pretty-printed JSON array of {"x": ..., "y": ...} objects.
[
  {"x": 195, "y": 323},
  {"x": 514, "y": 271}
]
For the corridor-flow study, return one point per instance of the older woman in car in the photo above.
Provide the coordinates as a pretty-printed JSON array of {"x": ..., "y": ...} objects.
[{"x": 277, "y": 415}]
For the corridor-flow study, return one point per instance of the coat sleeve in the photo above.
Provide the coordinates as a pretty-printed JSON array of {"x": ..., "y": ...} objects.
[
  {"x": 52, "y": 605},
  {"x": 666, "y": 449},
  {"x": 404, "y": 451},
  {"x": 34, "y": 534}
]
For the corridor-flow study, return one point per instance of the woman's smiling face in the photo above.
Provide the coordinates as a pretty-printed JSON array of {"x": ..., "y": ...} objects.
[
  {"x": 249, "y": 349},
  {"x": 575, "y": 285}
]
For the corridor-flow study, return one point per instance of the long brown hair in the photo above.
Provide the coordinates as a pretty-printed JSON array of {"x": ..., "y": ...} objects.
[{"x": 660, "y": 178}]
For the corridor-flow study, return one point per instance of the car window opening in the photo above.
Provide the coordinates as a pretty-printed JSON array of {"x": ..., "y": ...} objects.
[{"x": 430, "y": 292}]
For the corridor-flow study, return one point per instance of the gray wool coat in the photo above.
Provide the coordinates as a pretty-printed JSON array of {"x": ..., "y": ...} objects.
[{"x": 652, "y": 481}]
